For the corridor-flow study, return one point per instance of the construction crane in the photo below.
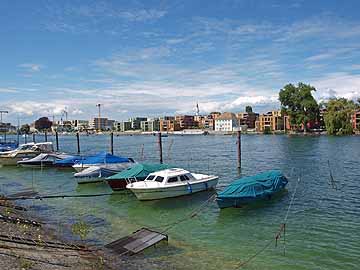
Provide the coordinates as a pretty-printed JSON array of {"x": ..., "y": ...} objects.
[
  {"x": 1, "y": 115},
  {"x": 99, "y": 120}
]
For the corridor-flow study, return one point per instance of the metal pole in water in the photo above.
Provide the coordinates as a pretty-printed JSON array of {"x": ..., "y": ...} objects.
[
  {"x": 78, "y": 142},
  {"x": 45, "y": 136},
  {"x": 34, "y": 141},
  {"x": 25, "y": 138},
  {"x": 112, "y": 142},
  {"x": 57, "y": 140},
  {"x": 239, "y": 148},
  {"x": 160, "y": 147}
]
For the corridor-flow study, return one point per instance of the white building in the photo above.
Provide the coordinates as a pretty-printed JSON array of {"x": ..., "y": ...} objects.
[{"x": 227, "y": 122}]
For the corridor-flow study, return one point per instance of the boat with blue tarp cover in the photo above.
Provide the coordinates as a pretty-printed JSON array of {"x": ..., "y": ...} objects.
[
  {"x": 138, "y": 172},
  {"x": 104, "y": 160},
  {"x": 8, "y": 146},
  {"x": 252, "y": 188},
  {"x": 68, "y": 162}
]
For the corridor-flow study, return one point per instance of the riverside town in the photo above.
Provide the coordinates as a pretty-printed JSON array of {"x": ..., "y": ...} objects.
[{"x": 182, "y": 135}]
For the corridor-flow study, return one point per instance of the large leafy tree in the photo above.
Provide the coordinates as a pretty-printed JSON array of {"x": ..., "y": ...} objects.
[
  {"x": 43, "y": 124},
  {"x": 248, "y": 109},
  {"x": 299, "y": 104},
  {"x": 25, "y": 129},
  {"x": 338, "y": 116}
]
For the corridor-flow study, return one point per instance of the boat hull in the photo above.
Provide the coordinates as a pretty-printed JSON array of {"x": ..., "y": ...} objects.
[
  {"x": 237, "y": 202},
  {"x": 117, "y": 185},
  {"x": 145, "y": 194},
  {"x": 111, "y": 166},
  {"x": 12, "y": 161}
]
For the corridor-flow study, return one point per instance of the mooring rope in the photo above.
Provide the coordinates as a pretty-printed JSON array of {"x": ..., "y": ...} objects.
[
  {"x": 169, "y": 226},
  {"x": 280, "y": 232}
]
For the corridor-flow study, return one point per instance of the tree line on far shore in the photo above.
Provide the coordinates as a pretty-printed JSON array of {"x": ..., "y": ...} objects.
[{"x": 299, "y": 104}]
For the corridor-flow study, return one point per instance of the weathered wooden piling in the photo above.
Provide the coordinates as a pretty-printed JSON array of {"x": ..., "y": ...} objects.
[
  {"x": 34, "y": 141},
  {"x": 239, "y": 148},
  {"x": 57, "y": 140},
  {"x": 45, "y": 133},
  {"x": 78, "y": 142},
  {"x": 160, "y": 147},
  {"x": 112, "y": 142},
  {"x": 25, "y": 138}
]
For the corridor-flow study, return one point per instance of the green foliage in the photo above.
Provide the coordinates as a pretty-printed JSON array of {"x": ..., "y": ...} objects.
[
  {"x": 25, "y": 264},
  {"x": 299, "y": 104},
  {"x": 248, "y": 109},
  {"x": 43, "y": 123},
  {"x": 338, "y": 116},
  {"x": 25, "y": 129},
  {"x": 81, "y": 229}
]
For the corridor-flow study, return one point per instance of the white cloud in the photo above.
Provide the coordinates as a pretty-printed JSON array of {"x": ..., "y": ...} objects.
[{"x": 31, "y": 67}]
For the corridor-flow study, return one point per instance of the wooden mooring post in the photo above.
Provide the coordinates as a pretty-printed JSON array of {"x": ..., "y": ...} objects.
[
  {"x": 34, "y": 141},
  {"x": 239, "y": 148},
  {"x": 25, "y": 138},
  {"x": 57, "y": 140},
  {"x": 45, "y": 133},
  {"x": 78, "y": 142},
  {"x": 160, "y": 147},
  {"x": 112, "y": 143}
]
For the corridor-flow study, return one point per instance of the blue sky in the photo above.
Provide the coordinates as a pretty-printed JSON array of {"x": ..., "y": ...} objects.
[{"x": 155, "y": 58}]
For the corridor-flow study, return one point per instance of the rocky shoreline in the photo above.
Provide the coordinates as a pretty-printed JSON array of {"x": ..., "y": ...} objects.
[{"x": 28, "y": 243}]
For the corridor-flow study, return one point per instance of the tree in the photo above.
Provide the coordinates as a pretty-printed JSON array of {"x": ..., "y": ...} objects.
[
  {"x": 338, "y": 116},
  {"x": 299, "y": 104},
  {"x": 25, "y": 129},
  {"x": 248, "y": 109},
  {"x": 43, "y": 124}
]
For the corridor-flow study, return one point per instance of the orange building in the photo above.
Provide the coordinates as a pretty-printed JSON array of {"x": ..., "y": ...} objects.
[{"x": 274, "y": 121}]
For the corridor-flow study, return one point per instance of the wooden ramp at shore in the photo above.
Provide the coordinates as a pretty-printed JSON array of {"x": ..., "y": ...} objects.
[{"x": 137, "y": 241}]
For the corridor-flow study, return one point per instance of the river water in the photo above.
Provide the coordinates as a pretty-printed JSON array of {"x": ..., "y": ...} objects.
[{"x": 322, "y": 229}]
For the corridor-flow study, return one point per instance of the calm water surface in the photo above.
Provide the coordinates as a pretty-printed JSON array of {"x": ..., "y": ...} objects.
[{"x": 323, "y": 225}]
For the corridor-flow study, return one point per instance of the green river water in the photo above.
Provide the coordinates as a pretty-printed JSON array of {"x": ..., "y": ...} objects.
[{"x": 323, "y": 225}]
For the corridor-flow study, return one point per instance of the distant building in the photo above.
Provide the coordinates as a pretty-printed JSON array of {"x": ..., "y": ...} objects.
[
  {"x": 273, "y": 121},
  {"x": 205, "y": 122},
  {"x": 7, "y": 127},
  {"x": 136, "y": 122},
  {"x": 150, "y": 125},
  {"x": 168, "y": 124},
  {"x": 123, "y": 126},
  {"x": 226, "y": 122},
  {"x": 101, "y": 123},
  {"x": 247, "y": 119},
  {"x": 215, "y": 115},
  {"x": 80, "y": 125},
  {"x": 356, "y": 120},
  {"x": 186, "y": 121}
]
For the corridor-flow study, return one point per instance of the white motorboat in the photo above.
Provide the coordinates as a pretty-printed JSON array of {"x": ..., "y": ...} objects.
[
  {"x": 43, "y": 160},
  {"x": 104, "y": 160},
  {"x": 28, "y": 150},
  {"x": 171, "y": 183}
]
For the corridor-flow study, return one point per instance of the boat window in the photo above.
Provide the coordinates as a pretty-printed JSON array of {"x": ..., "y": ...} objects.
[
  {"x": 172, "y": 179},
  {"x": 184, "y": 178},
  {"x": 159, "y": 179},
  {"x": 189, "y": 176},
  {"x": 150, "y": 177}
]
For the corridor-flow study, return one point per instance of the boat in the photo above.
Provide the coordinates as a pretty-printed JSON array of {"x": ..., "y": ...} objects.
[
  {"x": 138, "y": 172},
  {"x": 94, "y": 174},
  {"x": 252, "y": 188},
  {"x": 104, "y": 160},
  {"x": 67, "y": 162},
  {"x": 8, "y": 146},
  {"x": 171, "y": 183},
  {"x": 28, "y": 150},
  {"x": 43, "y": 160}
]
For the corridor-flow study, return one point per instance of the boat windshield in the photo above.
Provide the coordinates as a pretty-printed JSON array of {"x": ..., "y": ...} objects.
[
  {"x": 184, "y": 177},
  {"x": 150, "y": 177},
  {"x": 159, "y": 179}
]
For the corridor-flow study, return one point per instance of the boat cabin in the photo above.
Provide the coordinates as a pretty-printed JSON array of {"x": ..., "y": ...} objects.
[{"x": 170, "y": 176}]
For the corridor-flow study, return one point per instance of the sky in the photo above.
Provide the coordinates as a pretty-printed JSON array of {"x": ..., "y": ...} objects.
[{"x": 155, "y": 58}]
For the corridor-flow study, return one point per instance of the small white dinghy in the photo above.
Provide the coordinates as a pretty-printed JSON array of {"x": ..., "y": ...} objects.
[{"x": 171, "y": 183}]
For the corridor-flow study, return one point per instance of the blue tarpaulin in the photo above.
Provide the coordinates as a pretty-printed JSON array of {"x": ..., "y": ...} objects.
[
  {"x": 102, "y": 158},
  {"x": 251, "y": 188}
]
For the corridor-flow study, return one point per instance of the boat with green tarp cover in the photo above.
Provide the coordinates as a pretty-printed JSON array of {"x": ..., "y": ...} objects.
[
  {"x": 138, "y": 172},
  {"x": 252, "y": 188}
]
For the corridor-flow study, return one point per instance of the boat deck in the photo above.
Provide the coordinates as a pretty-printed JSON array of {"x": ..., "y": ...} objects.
[{"x": 137, "y": 241}]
